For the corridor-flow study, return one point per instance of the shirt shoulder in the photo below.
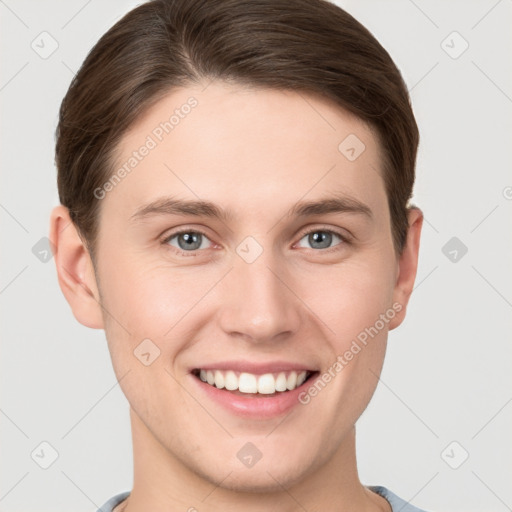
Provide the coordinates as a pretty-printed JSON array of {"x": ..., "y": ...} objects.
[
  {"x": 113, "y": 502},
  {"x": 397, "y": 504}
]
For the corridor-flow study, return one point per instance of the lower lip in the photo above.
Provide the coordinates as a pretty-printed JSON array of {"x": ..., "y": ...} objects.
[{"x": 252, "y": 406}]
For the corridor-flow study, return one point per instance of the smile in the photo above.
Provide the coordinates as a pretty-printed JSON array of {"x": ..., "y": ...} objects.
[
  {"x": 250, "y": 383},
  {"x": 256, "y": 391}
]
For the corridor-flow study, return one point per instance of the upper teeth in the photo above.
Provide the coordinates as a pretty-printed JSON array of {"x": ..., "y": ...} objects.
[{"x": 267, "y": 383}]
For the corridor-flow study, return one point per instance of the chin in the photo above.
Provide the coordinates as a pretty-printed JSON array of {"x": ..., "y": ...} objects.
[
  {"x": 263, "y": 477},
  {"x": 261, "y": 481}
]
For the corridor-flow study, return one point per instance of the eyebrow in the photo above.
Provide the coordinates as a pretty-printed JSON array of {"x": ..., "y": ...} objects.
[{"x": 199, "y": 208}]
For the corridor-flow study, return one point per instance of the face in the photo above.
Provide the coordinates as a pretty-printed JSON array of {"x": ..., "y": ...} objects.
[{"x": 288, "y": 272}]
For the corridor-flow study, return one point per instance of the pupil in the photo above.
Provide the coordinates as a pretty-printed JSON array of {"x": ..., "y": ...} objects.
[
  {"x": 321, "y": 237},
  {"x": 190, "y": 240}
]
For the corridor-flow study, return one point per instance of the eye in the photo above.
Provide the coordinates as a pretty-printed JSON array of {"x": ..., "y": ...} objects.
[
  {"x": 323, "y": 238},
  {"x": 187, "y": 241}
]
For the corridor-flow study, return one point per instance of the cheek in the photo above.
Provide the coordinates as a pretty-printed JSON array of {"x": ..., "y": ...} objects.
[
  {"x": 150, "y": 296},
  {"x": 151, "y": 301},
  {"x": 357, "y": 307},
  {"x": 353, "y": 297}
]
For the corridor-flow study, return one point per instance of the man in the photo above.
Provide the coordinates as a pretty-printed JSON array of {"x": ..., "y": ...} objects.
[{"x": 234, "y": 179}]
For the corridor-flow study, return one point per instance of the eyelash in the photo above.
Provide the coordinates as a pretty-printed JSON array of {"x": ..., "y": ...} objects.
[{"x": 344, "y": 240}]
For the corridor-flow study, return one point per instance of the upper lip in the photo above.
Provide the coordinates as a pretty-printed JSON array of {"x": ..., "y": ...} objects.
[{"x": 255, "y": 368}]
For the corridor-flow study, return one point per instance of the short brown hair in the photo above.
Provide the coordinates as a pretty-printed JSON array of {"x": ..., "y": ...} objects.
[{"x": 304, "y": 45}]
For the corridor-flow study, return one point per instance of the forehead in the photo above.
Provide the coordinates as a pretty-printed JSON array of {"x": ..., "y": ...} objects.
[{"x": 240, "y": 145}]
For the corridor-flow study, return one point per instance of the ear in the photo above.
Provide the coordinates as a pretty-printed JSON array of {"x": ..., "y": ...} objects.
[
  {"x": 75, "y": 271},
  {"x": 407, "y": 266}
]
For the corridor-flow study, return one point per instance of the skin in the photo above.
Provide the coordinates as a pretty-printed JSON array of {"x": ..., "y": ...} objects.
[{"x": 256, "y": 152}]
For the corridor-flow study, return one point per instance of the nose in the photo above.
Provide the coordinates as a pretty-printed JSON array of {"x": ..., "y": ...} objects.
[{"x": 257, "y": 301}]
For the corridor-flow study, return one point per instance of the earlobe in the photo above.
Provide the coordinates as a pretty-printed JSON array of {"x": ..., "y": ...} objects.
[
  {"x": 75, "y": 271},
  {"x": 407, "y": 266}
]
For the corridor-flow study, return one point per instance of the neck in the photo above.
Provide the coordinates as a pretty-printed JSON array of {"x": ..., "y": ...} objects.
[{"x": 162, "y": 482}]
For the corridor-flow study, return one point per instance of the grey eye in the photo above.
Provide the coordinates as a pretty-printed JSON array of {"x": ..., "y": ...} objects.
[
  {"x": 188, "y": 240},
  {"x": 320, "y": 239}
]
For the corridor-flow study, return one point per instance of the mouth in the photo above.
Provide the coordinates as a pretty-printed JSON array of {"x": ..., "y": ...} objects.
[{"x": 251, "y": 385}]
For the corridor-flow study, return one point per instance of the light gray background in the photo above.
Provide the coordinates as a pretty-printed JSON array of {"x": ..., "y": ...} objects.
[{"x": 447, "y": 375}]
